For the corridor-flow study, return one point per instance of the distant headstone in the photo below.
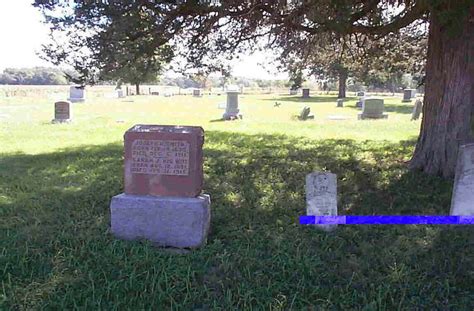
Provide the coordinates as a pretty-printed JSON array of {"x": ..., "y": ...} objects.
[
  {"x": 293, "y": 92},
  {"x": 373, "y": 108},
  {"x": 305, "y": 93},
  {"x": 62, "y": 112},
  {"x": 77, "y": 94},
  {"x": 162, "y": 201},
  {"x": 197, "y": 93},
  {"x": 415, "y": 115},
  {"x": 321, "y": 196},
  {"x": 340, "y": 102},
  {"x": 360, "y": 102},
  {"x": 155, "y": 93},
  {"x": 232, "y": 105},
  {"x": 462, "y": 201},
  {"x": 408, "y": 94},
  {"x": 120, "y": 93},
  {"x": 305, "y": 114}
]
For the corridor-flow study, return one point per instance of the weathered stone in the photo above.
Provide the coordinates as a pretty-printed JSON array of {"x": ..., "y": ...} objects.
[
  {"x": 372, "y": 109},
  {"x": 232, "y": 105},
  {"x": 120, "y": 93},
  {"x": 321, "y": 196},
  {"x": 340, "y": 103},
  {"x": 305, "y": 114},
  {"x": 164, "y": 160},
  {"x": 415, "y": 115},
  {"x": 197, "y": 93},
  {"x": 305, "y": 93},
  {"x": 408, "y": 94},
  {"x": 462, "y": 202},
  {"x": 62, "y": 112},
  {"x": 166, "y": 221},
  {"x": 77, "y": 94}
]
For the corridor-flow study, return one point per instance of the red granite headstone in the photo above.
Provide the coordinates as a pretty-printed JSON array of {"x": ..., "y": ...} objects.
[{"x": 164, "y": 160}]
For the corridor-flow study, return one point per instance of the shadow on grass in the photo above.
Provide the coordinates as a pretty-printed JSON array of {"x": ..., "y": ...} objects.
[
  {"x": 58, "y": 251},
  {"x": 399, "y": 108},
  {"x": 312, "y": 99}
]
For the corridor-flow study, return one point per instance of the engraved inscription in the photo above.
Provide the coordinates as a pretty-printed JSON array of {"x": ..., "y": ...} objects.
[{"x": 160, "y": 157}]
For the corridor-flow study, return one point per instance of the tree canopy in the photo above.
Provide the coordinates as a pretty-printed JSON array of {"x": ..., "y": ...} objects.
[{"x": 207, "y": 31}]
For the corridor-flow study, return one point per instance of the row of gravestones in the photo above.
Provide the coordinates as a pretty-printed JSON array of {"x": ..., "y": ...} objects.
[
  {"x": 63, "y": 109},
  {"x": 372, "y": 108},
  {"x": 163, "y": 200}
]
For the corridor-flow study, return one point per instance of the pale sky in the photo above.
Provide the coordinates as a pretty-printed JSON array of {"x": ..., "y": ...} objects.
[{"x": 22, "y": 33}]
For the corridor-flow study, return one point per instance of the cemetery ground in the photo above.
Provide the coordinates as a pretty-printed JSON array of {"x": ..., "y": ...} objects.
[{"x": 56, "y": 182}]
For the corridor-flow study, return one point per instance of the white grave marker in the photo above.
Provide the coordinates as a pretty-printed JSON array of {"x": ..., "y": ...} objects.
[
  {"x": 462, "y": 202},
  {"x": 321, "y": 196}
]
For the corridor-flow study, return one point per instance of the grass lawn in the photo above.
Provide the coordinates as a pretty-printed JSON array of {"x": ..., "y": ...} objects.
[{"x": 56, "y": 182}]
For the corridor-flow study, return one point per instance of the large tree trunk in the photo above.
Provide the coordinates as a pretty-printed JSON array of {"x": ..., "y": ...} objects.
[
  {"x": 137, "y": 89},
  {"x": 448, "y": 102},
  {"x": 342, "y": 85}
]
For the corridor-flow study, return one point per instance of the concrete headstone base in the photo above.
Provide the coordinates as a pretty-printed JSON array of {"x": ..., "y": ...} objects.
[
  {"x": 232, "y": 116},
  {"x": 166, "y": 221},
  {"x": 361, "y": 116},
  {"x": 76, "y": 100},
  {"x": 55, "y": 121}
]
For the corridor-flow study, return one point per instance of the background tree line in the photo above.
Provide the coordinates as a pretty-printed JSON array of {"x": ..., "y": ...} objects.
[
  {"x": 56, "y": 76},
  {"x": 33, "y": 76}
]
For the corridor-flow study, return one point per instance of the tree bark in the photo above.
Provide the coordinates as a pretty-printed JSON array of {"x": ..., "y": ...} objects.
[
  {"x": 342, "y": 85},
  {"x": 137, "y": 88},
  {"x": 448, "y": 103}
]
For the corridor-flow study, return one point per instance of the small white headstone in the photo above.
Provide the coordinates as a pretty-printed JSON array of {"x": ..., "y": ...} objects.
[
  {"x": 462, "y": 202},
  {"x": 321, "y": 196},
  {"x": 77, "y": 94}
]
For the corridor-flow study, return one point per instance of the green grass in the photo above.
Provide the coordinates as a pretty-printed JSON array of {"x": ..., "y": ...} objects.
[{"x": 56, "y": 182}]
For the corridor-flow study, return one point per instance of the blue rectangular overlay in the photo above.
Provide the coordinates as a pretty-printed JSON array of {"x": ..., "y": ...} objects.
[{"x": 387, "y": 220}]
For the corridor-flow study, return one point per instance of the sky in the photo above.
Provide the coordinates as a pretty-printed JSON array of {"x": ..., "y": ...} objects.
[{"x": 22, "y": 33}]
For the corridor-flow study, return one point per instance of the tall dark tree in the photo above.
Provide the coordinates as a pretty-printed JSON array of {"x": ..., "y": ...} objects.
[
  {"x": 224, "y": 27},
  {"x": 371, "y": 61}
]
